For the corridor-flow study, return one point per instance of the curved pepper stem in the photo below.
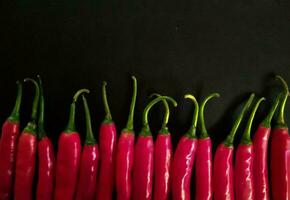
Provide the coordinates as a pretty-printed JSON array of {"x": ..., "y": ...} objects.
[
  {"x": 14, "y": 116},
  {"x": 246, "y": 138},
  {"x": 230, "y": 138},
  {"x": 108, "y": 116},
  {"x": 130, "y": 123},
  {"x": 146, "y": 129},
  {"x": 203, "y": 131},
  {"x": 267, "y": 121},
  {"x": 71, "y": 122},
  {"x": 90, "y": 139},
  {"x": 41, "y": 131},
  {"x": 192, "y": 130},
  {"x": 36, "y": 98},
  {"x": 281, "y": 115},
  {"x": 164, "y": 128}
]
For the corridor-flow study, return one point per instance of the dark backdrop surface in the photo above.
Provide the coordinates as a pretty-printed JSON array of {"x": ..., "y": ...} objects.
[{"x": 172, "y": 47}]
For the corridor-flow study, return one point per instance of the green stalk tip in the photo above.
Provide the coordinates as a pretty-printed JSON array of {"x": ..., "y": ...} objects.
[
  {"x": 203, "y": 133},
  {"x": 15, "y": 114},
  {"x": 192, "y": 130},
  {"x": 90, "y": 139},
  {"x": 230, "y": 138},
  {"x": 71, "y": 122},
  {"x": 246, "y": 137},
  {"x": 36, "y": 98},
  {"x": 41, "y": 131},
  {"x": 281, "y": 115},
  {"x": 108, "y": 116},
  {"x": 146, "y": 129},
  {"x": 130, "y": 123},
  {"x": 267, "y": 121}
]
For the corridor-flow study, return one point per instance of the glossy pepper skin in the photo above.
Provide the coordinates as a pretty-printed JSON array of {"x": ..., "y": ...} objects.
[
  {"x": 46, "y": 157},
  {"x": 26, "y": 154},
  {"x": 8, "y": 142},
  {"x": 89, "y": 162},
  {"x": 280, "y": 150},
  {"x": 68, "y": 157},
  {"x": 125, "y": 153},
  {"x": 223, "y": 171},
  {"x": 144, "y": 157},
  {"x": 163, "y": 155},
  {"x": 243, "y": 173},
  {"x": 260, "y": 165},
  {"x": 203, "y": 166},
  {"x": 184, "y": 158},
  {"x": 108, "y": 144}
]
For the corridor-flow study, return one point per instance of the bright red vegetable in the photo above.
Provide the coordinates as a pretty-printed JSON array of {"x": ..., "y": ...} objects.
[
  {"x": 89, "y": 162},
  {"x": 10, "y": 132},
  {"x": 203, "y": 166},
  {"x": 163, "y": 159},
  {"x": 184, "y": 159},
  {"x": 26, "y": 154},
  {"x": 243, "y": 173},
  {"x": 68, "y": 157},
  {"x": 143, "y": 157},
  {"x": 46, "y": 158},
  {"x": 108, "y": 143},
  {"x": 280, "y": 151},
  {"x": 260, "y": 145},
  {"x": 125, "y": 153},
  {"x": 223, "y": 180}
]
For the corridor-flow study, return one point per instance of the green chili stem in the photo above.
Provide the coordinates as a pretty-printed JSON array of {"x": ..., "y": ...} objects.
[
  {"x": 281, "y": 115},
  {"x": 108, "y": 116},
  {"x": 146, "y": 129},
  {"x": 230, "y": 138},
  {"x": 130, "y": 122},
  {"x": 71, "y": 122},
  {"x": 192, "y": 130},
  {"x": 41, "y": 131},
  {"x": 246, "y": 137},
  {"x": 36, "y": 98},
  {"x": 267, "y": 121},
  {"x": 14, "y": 116},
  {"x": 90, "y": 139},
  {"x": 203, "y": 130}
]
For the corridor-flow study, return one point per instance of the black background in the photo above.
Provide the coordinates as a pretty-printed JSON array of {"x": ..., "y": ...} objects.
[{"x": 172, "y": 47}]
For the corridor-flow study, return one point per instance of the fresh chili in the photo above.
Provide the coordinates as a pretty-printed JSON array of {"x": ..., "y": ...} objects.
[
  {"x": 280, "y": 151},
  {"x": 243, "y": 172},
  {"x": 163, "y": 159},
  {"x": 26, "y": 153},
  {"x": 184, "y": 157},
  {"x": 125, "y": 153},
  {"x": 68, "y": 157},
  {"x": 203, "y": 166},
  {"x": 260, "y": 145},
  {"x": 89, "y": 162},
  {"x": 223, "y": 179},
  {"x": 10, "y": 133},
  {"x": 143, "y": 157},
  {"x": 46, "y": 157},
  {"x": 108, "y": 143}
]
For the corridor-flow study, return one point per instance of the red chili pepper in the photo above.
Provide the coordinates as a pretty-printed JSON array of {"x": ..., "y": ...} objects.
[
  {"x": 108, "y": 143},
  {"x": 260, "y": 145},
  {"x": 280, "y": 151},
  {"x": 125, "y": 153},
  {"x": 243, "y": 173},
  {"x": 46, "y": 158},
  {"x": 10, "y": 132},
  {"x": 89, "y": 162},
  {"x": 68, "y": 157},
  {"x": 163, "y": 158},
  {"x": 26, "y": 154},
  {"x": 143, "y": 158},
  {"x": 203, "y": 166},
  {"x": 184, "y": 159},
  {"x": 223, "y": 180}
]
